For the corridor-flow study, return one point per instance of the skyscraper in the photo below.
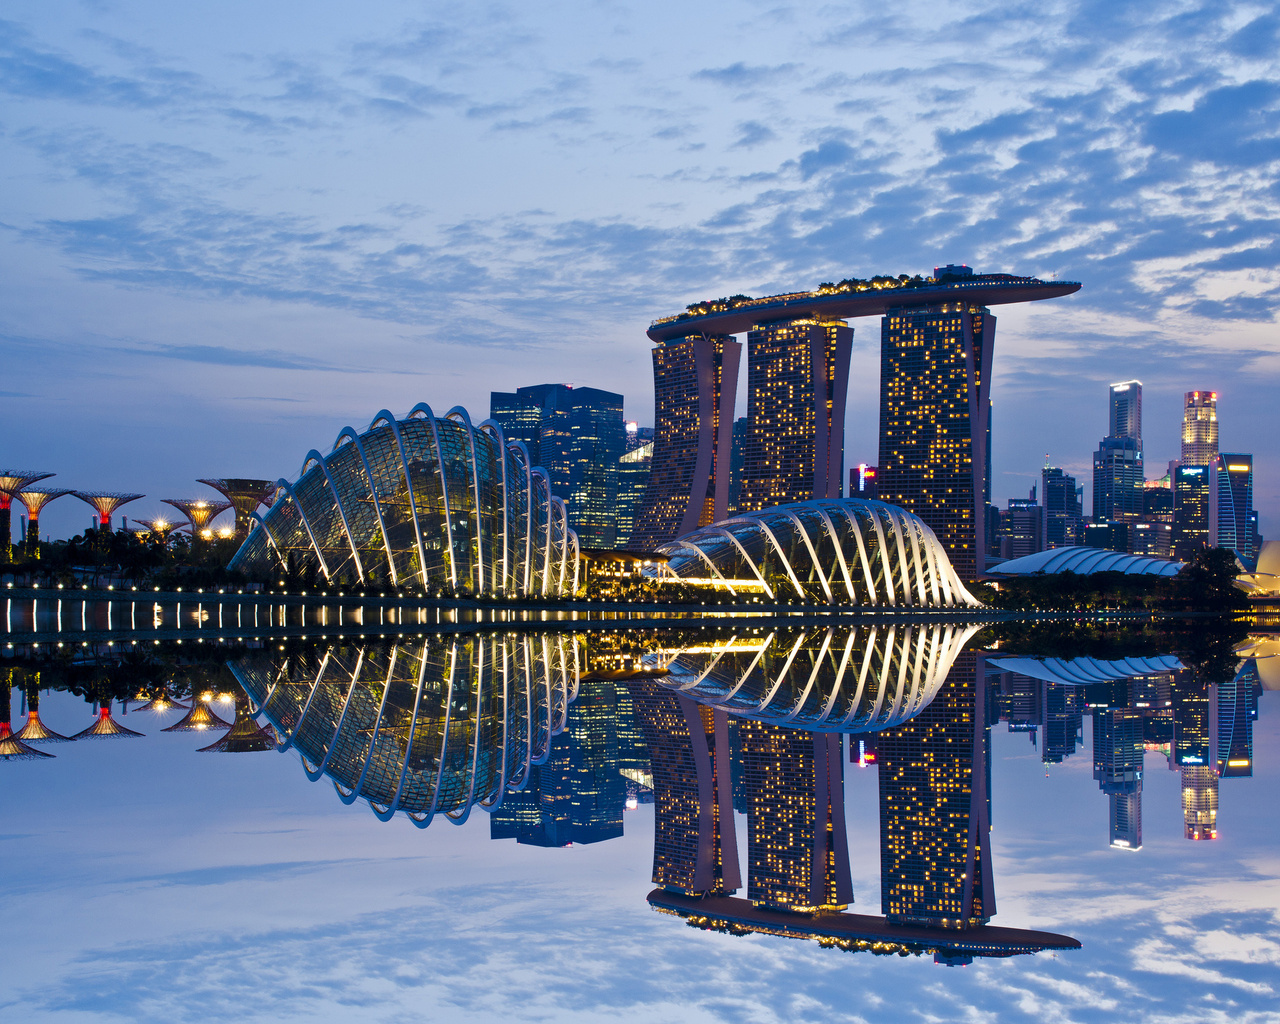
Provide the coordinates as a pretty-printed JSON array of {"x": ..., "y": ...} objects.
[
  {"x": 1199, "y": 428},
  {"x": 797, "y": 381},
  {"x": 576, "y": 435},
  {"x": 695, "y": 848},
  {"x": 633, "y": 478},
  {"x": 695, "y": 380},
  {"x": 1190, "y": 510},
  {"x": 1022, "y": 528},
  {"x": 1063, "y": 514},
  {"x": 935, "y": 379},
  {"x": 935, "y": 852},
  {"x": 1125, "y": 419},
  {"x": 797, "y": 847},
  {"x": 1230, "y": 504},
  {"x": 1118, "y": 480}
]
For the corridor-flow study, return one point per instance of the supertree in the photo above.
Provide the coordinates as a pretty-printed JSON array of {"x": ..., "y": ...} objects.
[
  {"x": 12, "y": 748},
  {"x": 34, "y": 730},
  {"x": 245, "y": 735},
  {"x": 160, "y": 527},
  {"x": 245, "y": 497},
  {"x": 105, "y": 503},
  {"x": 200, "y": 511},
  {"x": 11, "y": 482},
  {"x": 105, "y": 726},
  {"x": 34, "y": 502}
]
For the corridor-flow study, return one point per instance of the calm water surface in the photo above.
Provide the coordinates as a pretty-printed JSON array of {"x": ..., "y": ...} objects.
[{"x": 146, "y": 880}]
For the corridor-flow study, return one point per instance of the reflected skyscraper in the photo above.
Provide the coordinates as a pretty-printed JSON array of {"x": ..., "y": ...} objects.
[
  {"x": 1236, "y": 706},
  {"x": 1117, "y": 766},
  {"x": 1200, "y": 801},
  {"x": 695, "y": 848},
  {"x": 935, "y": 854},
  {"x": 797, "y": 845}
]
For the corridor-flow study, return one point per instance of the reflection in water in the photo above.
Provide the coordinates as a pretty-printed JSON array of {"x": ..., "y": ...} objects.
[
  {"x": 426, "y": 728},
  {"x": 839, "y": 679}
]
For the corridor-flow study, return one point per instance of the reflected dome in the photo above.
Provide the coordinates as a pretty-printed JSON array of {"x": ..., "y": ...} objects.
[
  {"x": 426, "y": 728},
  {"x": 839, "y": 679}
]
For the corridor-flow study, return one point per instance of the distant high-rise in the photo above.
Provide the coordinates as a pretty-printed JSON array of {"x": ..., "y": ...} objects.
[
  {"x": 935, "y": 852},
  {"x": 1125, "y": 419},
  {"x": 1063, "y": 514},
  {"x": 935, "y": 379},
  {"x": 1200, "y": 428},
  {"x": 864, "y": 481},
  {"x": 695, "y": 379},
  {"x": 576, "y": 435},
  {"x": 797, "y": 847},
  {"x": 1230, "y": 504},
  {"x": 797, "y": 382},
  {"x": 633, "y": 478},
  {"x": 695, "y": 848},
  {"x": 1118, "y": 479},
  {"x": 1190, "y": 510},
  {"x": 1022, "y": 528}
]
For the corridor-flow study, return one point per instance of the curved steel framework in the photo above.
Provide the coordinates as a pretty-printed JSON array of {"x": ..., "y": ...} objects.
[
  {"x": 831, "y": 551},
  {"x": 425, "y": 728},
  {"x": 825, "y": 680},
  {"x": 427, "y": 501}
]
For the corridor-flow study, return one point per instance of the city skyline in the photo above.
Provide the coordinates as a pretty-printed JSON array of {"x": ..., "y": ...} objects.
[{"x": 311, "y": 226}]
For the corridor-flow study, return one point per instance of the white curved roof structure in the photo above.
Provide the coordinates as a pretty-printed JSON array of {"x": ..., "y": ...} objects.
[
  {"x": 1082, "y": 561},
  {"x": 427, "y": 501},
  {"x": 828, "y": 551},
  {"x": 1082, "y": 671}
]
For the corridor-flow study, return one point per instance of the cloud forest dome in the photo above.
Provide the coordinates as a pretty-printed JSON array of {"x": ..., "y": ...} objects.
[
  {"x": 426, "y": 501},
  {"x": 837, "y": 551}
]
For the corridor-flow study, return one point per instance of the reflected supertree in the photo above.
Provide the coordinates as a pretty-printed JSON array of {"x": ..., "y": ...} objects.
[
  {"x": 105, "y": 727},
  {"x": 199, "y": 717},
  {"x": 427, "y": 728},
  {"x": 839, "y": 679},
  {"x": 245, "y": 735},
  {"x": 12, "y": 748},
  {"x": 34, "y": 730}
]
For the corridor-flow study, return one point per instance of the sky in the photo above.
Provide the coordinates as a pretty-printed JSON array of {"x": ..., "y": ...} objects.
[
  {"x": 227, "y": 231},
  {"x": 195, "y": 887}
]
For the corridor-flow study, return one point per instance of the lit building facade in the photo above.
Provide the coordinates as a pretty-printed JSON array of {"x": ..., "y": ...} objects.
[
  {"x": 1118, "y": 480},
  {"x": 935, "y": 379},
  {"x": 1125, "y": 411},
  {"x": 695, "y": 381},
  {"x": 1022, "y": 528},
  {"x": 428, "y": 501},
  {"x": 797, "y": 383},
  {"x": 797, "y": 846},
  {"x": 1231, "y": 522},
  {"x": 935, "y": 854},
  {"x": 577, "y": 436},
  {"x": 633, "y": 479},
  {"x": 1199, "y": 428},
  {"x": 1190, "y": 510}
]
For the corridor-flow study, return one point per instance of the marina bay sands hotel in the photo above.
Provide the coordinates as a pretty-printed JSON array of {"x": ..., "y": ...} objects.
[{"x": 937, "y": 337}]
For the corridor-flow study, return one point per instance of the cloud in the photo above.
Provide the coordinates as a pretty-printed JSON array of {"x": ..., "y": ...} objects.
[
  {"x": 740, "y": 75},
  {"x": 753, "y": 133}
]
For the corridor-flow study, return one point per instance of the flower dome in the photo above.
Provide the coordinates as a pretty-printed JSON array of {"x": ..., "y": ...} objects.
[
  {"x": 427, "y": 501},
  {"x": 829, "y": 550}
]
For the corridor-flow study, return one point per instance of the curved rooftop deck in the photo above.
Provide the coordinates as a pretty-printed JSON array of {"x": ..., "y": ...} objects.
[{"x": 983, "y": 290}]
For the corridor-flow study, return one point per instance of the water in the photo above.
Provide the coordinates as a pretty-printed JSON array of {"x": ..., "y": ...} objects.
[{"x": 149, "y": 881}]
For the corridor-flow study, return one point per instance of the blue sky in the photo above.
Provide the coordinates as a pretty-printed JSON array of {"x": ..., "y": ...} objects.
[
  {"x": 226, "y": 231},
  {"x": 198, "y": 886}
]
